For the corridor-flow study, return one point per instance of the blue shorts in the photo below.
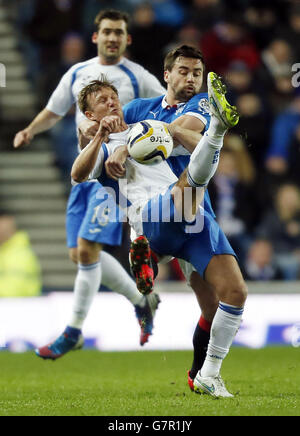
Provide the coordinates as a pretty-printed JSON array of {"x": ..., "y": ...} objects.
[
  {"x": 195, "y": 242},
  {"x": 93, "y": 215}
]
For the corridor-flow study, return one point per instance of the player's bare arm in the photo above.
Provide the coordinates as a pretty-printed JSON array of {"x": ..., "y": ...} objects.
[
  {"x": 115, "y": 164},
  {"x": 184, "y": 136},
  {"x": 45, "y": 120},
  {"x": 178, "y": 130}
]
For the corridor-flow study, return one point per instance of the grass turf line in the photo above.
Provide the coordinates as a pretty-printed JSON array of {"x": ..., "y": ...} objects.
[{"x": 86, "y": 383}]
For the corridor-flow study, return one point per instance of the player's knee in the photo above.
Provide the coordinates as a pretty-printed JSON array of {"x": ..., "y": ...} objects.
[
  {"x": 85, "y": 255},
  {"x": 234, "y": 293},
  {"x": 73, "y": 255},
  {"x": 88, "y": 252}
]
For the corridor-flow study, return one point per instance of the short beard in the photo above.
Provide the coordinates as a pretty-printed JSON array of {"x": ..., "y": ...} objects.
[
  {"x": 110, "y": 59},
  {"x": 182, "y": 96}
]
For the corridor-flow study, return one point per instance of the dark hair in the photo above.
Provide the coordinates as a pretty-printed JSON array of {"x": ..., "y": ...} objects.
[
  {"x": 111, "y": 14},
  {"x": 91, "y": 88},
  {"x": 185, "y": 51}
]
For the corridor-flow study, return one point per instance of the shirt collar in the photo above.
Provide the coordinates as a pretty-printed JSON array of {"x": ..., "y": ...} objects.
[{"x": 165, "y": 105}]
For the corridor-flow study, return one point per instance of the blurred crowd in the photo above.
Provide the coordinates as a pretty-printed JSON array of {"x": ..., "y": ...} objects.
[{"x": 255, "y": 46}]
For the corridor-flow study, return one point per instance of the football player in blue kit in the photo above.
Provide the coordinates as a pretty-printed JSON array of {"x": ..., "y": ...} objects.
[
  {"x": 87, "y": 231},
  {"x": 185, "y": 106},
  {"x": 207, "y": 249}
]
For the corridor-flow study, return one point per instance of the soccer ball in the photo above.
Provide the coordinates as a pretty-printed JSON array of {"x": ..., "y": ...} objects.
[{"x": 149, "y": 142}]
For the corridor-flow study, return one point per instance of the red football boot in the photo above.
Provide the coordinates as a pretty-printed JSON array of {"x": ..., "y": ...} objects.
[{"x": 140, "y": 259}]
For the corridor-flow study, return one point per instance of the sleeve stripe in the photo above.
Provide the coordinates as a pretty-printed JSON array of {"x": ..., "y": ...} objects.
[
  {"x": 200, "y": 117},
  {"x": 74, "y": 75},
  {"x": 133, "y": 80}
]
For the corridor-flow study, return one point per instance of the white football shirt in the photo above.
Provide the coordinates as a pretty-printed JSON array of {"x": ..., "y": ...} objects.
[
  {"x": 141, "y": 182},
  {"x": 130, "y": 79}
]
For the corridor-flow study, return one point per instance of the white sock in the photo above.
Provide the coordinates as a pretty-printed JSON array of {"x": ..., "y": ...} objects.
[
  {"x": 225, "y": 325},
  {"x": 87, "y": 284},
  {"x": 204, "y": 160},
  {"x": 216, "y": 127},
  {"x": 116, "y": 279}
]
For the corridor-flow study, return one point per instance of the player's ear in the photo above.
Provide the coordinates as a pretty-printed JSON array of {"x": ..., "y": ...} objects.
[
  {"x": 129, "y": 39},
  {"x": 95, "y": 38},
  {"x": 90, "y": 115},
  {"x": 166, "y": 76}
]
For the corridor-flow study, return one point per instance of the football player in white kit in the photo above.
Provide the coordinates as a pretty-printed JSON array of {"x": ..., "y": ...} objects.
[
  {"x": 85, "y": 234},
  {"x": 205, "y": 246}
]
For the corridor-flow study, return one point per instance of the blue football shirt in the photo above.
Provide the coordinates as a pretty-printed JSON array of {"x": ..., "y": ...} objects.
[{"x": 157, "y": 109}]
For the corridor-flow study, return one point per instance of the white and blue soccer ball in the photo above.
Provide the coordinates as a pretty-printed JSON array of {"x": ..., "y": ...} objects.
[{"x": 149, "y": 142}]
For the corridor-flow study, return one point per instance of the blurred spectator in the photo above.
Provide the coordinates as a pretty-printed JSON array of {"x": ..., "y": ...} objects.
[
  {"x": 205, "y": 13},
  {"x": 252, "y": 125},
  {"x": 50, "y": 22},
  {"x": 259, "y": 264},
  {"x": 239, "y": 79},
  {"x": 187, "y": 35},
  {"x": 170, "y": 13},
  {"x": 146, "y": 32},
  {"x": 262, "y": 19},
  {"x": 281, "y": 226},
  {"x": 19, "y": 267},
  {"x": 280, "y": 158},
  {"x": 276, "y": 69},
  {"x": 232, "y": 192},
  {"x": 72, "y": 50},
  {"x": 291, "y": 32},
  {"x": 229, "y": 40}
]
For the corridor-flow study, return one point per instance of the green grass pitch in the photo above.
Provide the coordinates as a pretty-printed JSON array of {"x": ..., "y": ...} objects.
[{"x": 265, "y": 382}]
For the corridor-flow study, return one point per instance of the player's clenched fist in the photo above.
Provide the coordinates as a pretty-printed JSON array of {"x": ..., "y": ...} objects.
[
  {"x": 111, "y": 124},
  {"x": 24, "y": 137}
]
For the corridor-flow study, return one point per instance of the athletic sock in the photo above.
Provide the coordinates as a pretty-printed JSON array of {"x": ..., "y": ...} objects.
[
  {"x": 225, "y": 325},
  {"x": 204, "y": 160},
  {"x": 118, "y": 280},
  {"x": 87, "y": 284},
  {"x": 200, "y": 343},
  {"x": 216, "y": 128}
]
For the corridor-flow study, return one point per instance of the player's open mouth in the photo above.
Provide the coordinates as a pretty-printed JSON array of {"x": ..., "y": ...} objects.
[{"x": 113, "y": 48}]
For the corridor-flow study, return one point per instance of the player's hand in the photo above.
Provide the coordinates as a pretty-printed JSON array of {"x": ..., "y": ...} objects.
[
  {"x": 115, "y": 164},
  {"x": 110, "y": 124},
  {"x": 88, "y": 128},
  {"x": 24, "y": 137}
]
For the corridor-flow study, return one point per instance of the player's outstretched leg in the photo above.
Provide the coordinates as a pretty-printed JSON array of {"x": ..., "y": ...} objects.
[
  {"x": 145, "y": 314},
  {"x": 70, "y": 340},
  {"x": 205, "y": 158},
  {"x": 143, "y": 266}
]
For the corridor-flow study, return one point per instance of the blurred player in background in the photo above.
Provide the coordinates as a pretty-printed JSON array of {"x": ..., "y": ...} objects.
[{"x": 86, "y": 232}]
